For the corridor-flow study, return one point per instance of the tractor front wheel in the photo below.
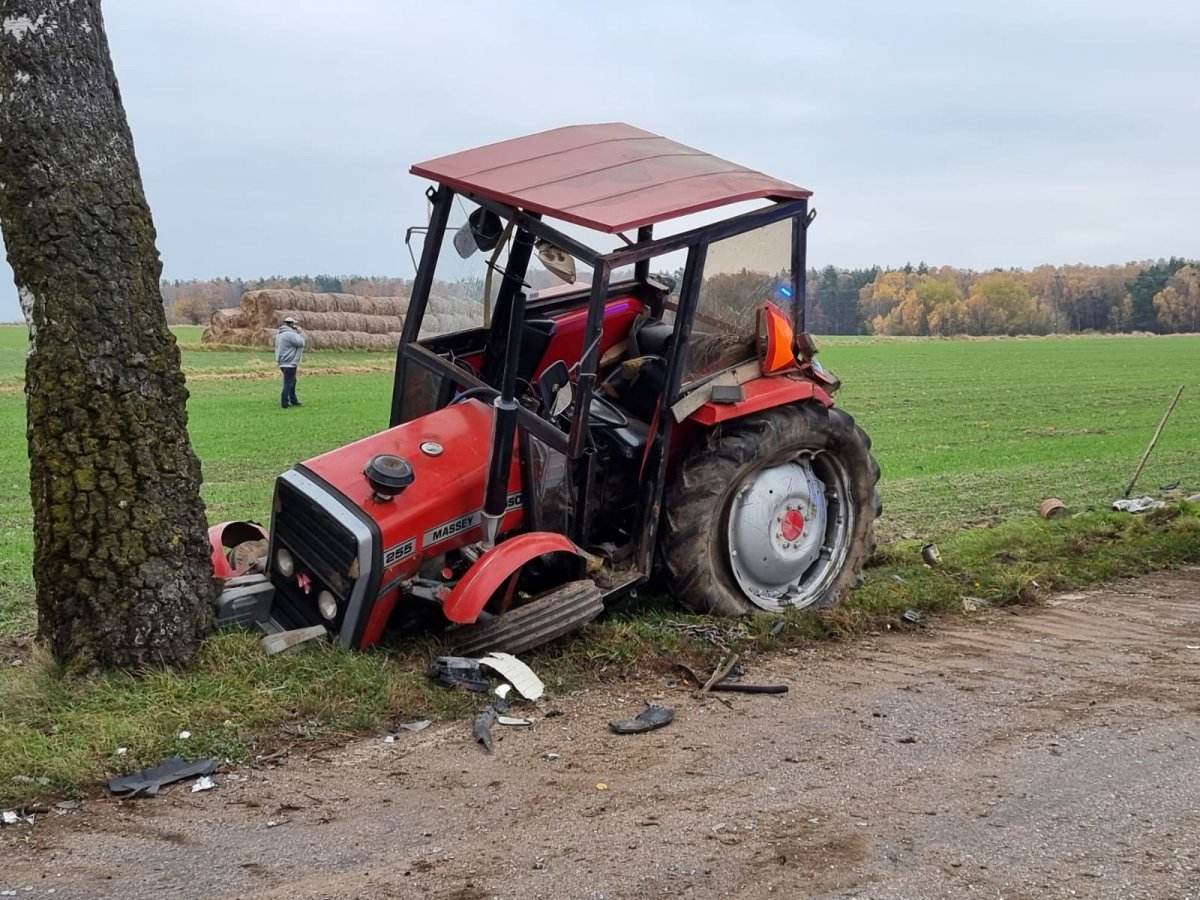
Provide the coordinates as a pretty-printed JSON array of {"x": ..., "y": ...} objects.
[{"x": 773, "y": 511}]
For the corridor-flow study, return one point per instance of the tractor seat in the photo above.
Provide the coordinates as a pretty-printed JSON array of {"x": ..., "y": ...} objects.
[{"x": 650, "y": 337}]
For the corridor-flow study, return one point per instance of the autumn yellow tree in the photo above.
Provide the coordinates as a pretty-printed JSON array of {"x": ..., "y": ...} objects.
[{"x": 1178, "y": 304}]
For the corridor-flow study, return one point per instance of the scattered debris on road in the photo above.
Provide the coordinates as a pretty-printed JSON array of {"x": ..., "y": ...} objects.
[
  {"x": 724, "y": 684},
  {"x": 652, "y": 717},
  {"x": 721, "y": 673},
  {"x": 737, "y": 687},
  {"x": 147, "y": 782},
  {"x": 454, "y": 671},
  {"x": 482, "y": 727},
  {"x": 513, "y": 720},
  {"x": 518, "y": 674},
  {"x": 205, "y": 783}
]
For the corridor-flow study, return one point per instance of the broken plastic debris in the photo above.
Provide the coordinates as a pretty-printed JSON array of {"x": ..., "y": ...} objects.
[
  {"x": 653, "y": 716},
  {"x": 912, "y": 617},
  {"x": 184, "y": 735},
  {"x": 417, "y": 726},
  {"x": 148, "y": 781},
  {"x": 1137, "y": 504},
  {"x": 390, "y": 739},
  {"x": 458, "y": 670},
  {"x": 121, "y": 751},
  {"x": 204, "y": 784},
  {"x": 503, "y": 690},
  {"x": 551, "y": 757},
  {"x": 520, "y": 675},
  {"x": 513, "y": 720},
  {"x": 282, "y": 641},
  {"x": 482, "y": 727}
]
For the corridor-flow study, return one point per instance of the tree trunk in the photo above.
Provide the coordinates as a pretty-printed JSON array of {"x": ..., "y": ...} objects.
[{"x": 121, "y": 558}]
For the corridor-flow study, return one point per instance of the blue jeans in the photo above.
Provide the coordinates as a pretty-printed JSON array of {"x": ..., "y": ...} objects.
[{"x": 288, "y": 397}]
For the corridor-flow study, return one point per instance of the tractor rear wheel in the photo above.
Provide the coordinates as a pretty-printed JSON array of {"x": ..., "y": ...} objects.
[
  {"x": 773, "y": 511},
  {"x": 539, "y": 621}
]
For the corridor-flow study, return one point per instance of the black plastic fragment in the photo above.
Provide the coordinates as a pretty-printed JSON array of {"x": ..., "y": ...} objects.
[
  {"x": 484, "y": 720},
  {"x": 738, "y": 687},
  {"x": 651, "y": 717},
  {"x": 147, "y": 782}
]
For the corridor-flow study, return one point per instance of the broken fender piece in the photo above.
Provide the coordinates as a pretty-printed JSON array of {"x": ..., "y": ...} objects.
[
  {"x": 650, "y": 718},
  {"x": 520, "y": 675},
  {"x": 147, "y": 782}
]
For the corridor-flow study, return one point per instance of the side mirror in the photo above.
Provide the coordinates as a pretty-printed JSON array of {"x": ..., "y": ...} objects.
[
  {"x": 557, "y": 262},
  {"x": 556, "y": 390}
]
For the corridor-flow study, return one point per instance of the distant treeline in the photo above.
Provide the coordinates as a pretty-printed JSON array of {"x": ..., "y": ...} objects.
[{"x": 1161, "y": 296}]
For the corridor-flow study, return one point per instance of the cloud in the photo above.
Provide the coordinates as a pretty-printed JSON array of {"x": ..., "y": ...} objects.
[{"x": 275, "y": 137}]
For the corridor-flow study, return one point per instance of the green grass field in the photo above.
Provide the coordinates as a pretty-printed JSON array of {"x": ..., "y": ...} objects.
[{"x": 966, "y": 432}]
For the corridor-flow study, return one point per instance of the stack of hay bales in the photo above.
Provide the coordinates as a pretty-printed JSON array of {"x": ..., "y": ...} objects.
[{"x": 344, "y": 321}]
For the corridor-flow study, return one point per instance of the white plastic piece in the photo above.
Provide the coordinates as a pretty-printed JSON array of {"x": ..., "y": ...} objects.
[
  {"x": 513, "y": 720},
  {"x": 203, "y": 784},
  {"x": 520, "y": 675}
]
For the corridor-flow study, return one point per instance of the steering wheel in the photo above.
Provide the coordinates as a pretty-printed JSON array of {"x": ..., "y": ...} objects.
[{"x": 604, "y": 413}]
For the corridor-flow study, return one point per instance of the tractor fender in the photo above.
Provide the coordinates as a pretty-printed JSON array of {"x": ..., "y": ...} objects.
[
  {"x": 760, "y": 394},
  {"x": 495, "y": 567}
]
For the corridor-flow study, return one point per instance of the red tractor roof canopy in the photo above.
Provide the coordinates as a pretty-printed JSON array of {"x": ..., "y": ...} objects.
[{"x": 610, "y": 178}]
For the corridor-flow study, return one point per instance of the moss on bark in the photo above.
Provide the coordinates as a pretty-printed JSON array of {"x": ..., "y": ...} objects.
[{"x": 121, "y": 558}]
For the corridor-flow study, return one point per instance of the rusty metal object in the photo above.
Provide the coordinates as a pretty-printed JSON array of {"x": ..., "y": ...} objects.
[{"x": 1052, "y": 508}]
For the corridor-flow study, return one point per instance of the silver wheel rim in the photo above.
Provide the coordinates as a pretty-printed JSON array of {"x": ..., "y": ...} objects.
[{"x": 788, "y": 531}]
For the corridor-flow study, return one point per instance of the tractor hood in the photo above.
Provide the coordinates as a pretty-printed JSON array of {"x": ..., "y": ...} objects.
[{"x": 440, "y": 507}]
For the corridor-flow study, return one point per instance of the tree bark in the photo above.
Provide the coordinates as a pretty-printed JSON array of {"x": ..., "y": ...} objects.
[{"x": 121, "y": 558}]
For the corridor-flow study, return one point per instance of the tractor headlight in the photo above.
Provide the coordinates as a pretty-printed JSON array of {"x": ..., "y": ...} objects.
[
  {"x": 284, "y": 563},
  {"x": 327, "y": 604}
]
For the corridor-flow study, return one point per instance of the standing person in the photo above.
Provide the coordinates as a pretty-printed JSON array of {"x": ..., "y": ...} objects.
[{"x": 289, "y": 353}]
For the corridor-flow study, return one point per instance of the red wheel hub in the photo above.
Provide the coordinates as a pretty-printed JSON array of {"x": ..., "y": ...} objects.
[{"x": 792, "y": 525}]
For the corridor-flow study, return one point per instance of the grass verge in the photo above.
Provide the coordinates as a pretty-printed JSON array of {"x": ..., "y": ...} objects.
[{"x": 61, "y": 736}]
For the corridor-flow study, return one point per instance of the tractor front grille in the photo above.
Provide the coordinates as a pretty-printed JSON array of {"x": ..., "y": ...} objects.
[{"x": 323, "y": 549}]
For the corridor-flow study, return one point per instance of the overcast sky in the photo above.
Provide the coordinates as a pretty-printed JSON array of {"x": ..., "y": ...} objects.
[{"x": 275, "y": 136}]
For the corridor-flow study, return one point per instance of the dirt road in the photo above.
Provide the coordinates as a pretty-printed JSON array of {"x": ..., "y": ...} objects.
[{"x": 1051, "y": 752}]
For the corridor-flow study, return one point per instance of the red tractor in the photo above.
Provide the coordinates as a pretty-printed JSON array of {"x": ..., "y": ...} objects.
[{"x": 551, "y": 450}]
